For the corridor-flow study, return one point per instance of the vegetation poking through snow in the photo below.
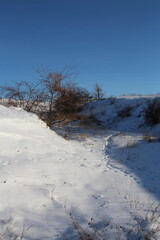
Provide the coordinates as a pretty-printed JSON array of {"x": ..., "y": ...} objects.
[
  {"x": 152, "y": 112},
  {"x": 125, "y": 112},
  {"x": 109, "y": 170},
  {"x": 144, "y": 228},
  {"x": 54, "y": 97}
]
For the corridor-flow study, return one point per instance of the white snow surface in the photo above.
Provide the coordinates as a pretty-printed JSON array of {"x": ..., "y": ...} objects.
[{"x": 112, "y": 174}]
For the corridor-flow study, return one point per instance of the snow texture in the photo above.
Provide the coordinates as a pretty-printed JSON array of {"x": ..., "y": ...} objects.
[{"x": 112, "y": 174}]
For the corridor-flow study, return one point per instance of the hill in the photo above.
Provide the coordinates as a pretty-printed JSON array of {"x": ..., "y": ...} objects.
[{"x": 106, "y": 174}]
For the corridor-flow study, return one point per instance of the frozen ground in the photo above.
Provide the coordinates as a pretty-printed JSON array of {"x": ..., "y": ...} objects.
[{"x": 111, "y": 174}]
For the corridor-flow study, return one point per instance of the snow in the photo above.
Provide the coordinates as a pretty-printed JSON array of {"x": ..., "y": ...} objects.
[{"x": 110, "y": 174}]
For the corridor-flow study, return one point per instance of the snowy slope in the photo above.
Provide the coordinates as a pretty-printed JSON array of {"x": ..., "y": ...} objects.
[{"x": 44, "y": 177}]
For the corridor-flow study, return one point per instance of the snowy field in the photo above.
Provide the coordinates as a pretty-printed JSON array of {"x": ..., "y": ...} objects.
[{"x": 110, "y": 175}]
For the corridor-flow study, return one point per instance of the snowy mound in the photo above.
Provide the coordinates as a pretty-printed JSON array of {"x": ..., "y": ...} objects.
[
  {"x": 23, "y": 133},
  {"x": 43, "y": 177}
]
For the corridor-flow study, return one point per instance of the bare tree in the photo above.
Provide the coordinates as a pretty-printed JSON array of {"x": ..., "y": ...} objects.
[
  {"x": 22, "y": 94},
  {"x": 63, "y": 96},
  {"x": 98, "y": 93},
  {"x": 52, "y": 94},
  {"x": 52, "y": 85}
]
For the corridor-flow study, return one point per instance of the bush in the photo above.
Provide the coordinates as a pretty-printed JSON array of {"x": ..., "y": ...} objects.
[
  {"x": 70, "y": 100},
  {"x": 64, "y": 98},
  {"x": 152, "y": 112},
  {"x": 53, "y": 97},
  {"x": 22, "y": 94},
  {"x": 125, "y": 112}
]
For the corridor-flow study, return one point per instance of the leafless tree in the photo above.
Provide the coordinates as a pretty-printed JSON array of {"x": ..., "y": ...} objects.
[
  {"x": 98, "y": 93},
  {"x": 64, "y": 97},
  {"x": 52, "y": 94},
  {"x": 22, "y": 94},
  {"x": 53, "y": 86}
]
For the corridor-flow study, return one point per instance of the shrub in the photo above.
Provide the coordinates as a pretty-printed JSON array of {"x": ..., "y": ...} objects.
[
  {"x": 125, "y": 112},
  {"x": 52, "y": 97},
  {"x": 22, "y": 94},
  {"x": 70, "y": 99},
  {"x": 64, "y": 98},
  {"x": 152, "y": 112}
]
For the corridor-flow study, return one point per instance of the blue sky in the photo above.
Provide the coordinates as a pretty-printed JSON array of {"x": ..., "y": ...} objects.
[{"x": 115, "y": 43}]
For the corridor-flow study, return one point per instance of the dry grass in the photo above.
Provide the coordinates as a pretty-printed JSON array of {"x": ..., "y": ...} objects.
[
  {"x": 148, "y": 138},
  {"x": 82, "y": 135},
  {"x": 145, "y": 228},
  {"x": 10, "y": 230}
]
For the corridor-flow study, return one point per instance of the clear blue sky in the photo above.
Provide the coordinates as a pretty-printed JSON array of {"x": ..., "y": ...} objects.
[{"x": 115, "y": 43}]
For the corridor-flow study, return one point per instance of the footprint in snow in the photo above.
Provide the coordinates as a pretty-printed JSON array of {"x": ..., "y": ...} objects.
[
  {"x": 69, "y": 184},
  {"x": 83, "y": 165}
]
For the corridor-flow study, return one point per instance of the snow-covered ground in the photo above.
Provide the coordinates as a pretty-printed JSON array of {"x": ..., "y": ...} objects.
[{"x": 109, "y": 174}]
